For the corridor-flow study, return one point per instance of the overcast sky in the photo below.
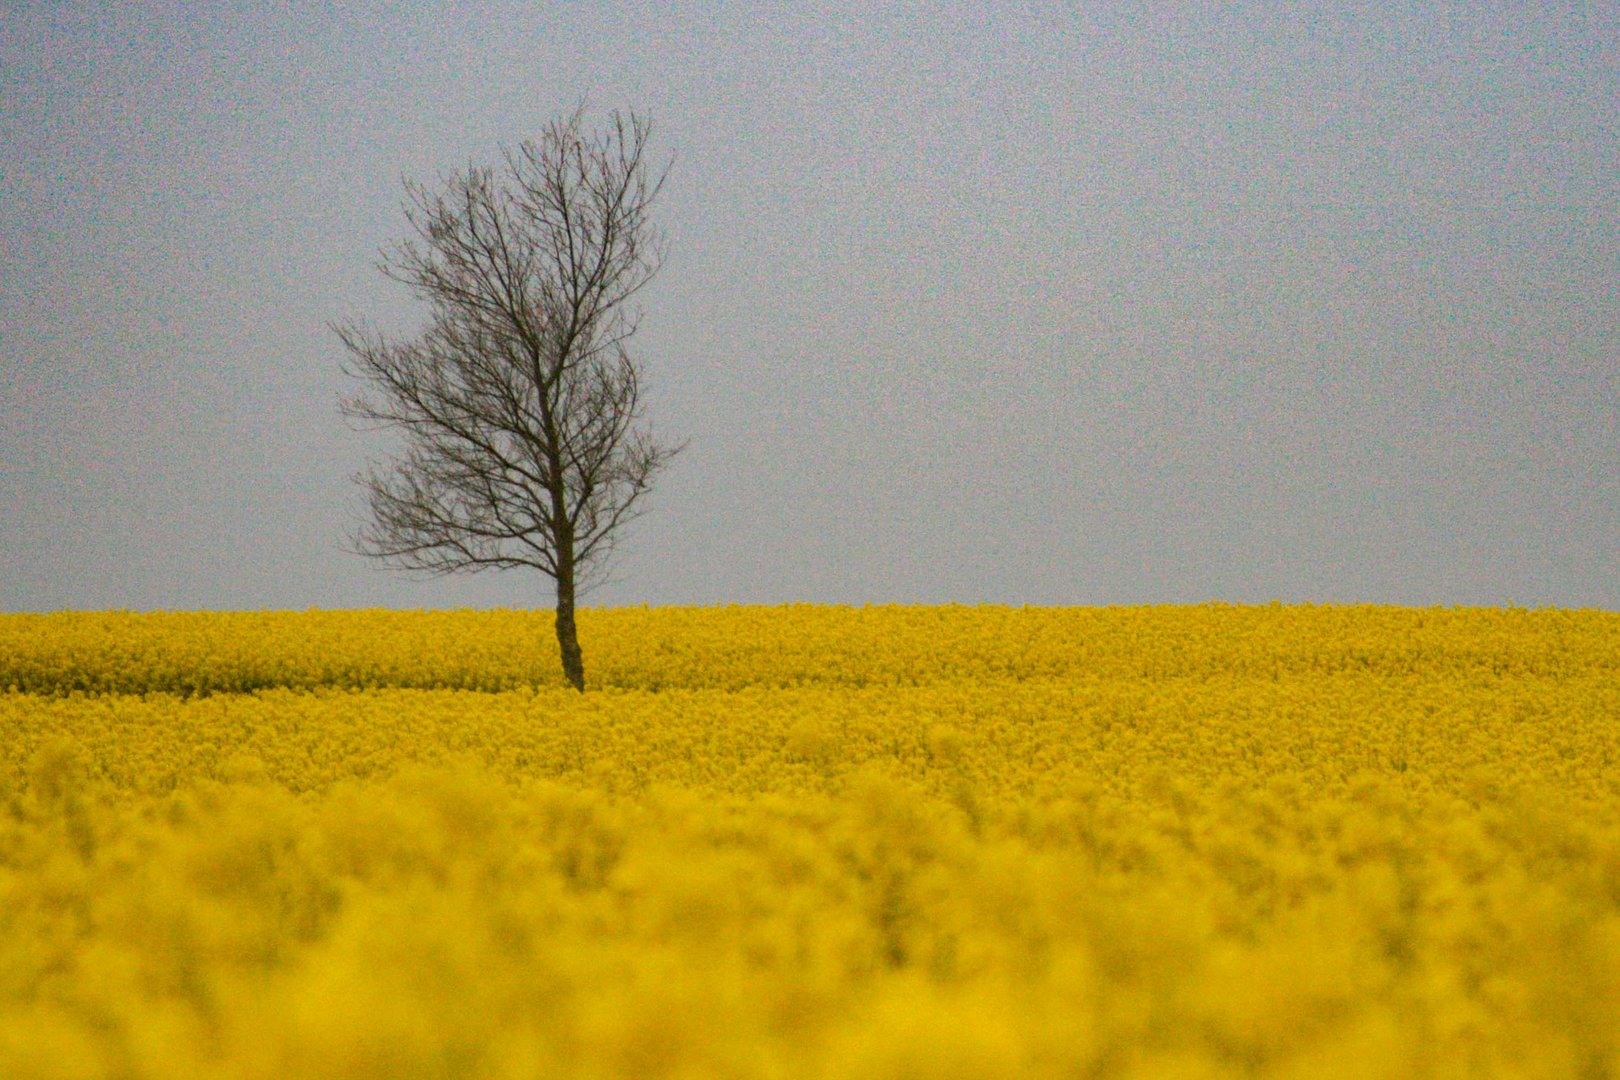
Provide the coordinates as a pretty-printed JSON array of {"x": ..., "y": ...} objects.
[{"x": 1040, "y": 303}]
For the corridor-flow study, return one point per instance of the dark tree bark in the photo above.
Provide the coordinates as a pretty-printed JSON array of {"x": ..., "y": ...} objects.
[{"x": 520, "y": 407}]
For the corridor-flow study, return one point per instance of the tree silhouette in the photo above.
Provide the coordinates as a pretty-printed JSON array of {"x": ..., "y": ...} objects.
[{"x": 520, "y": 407}]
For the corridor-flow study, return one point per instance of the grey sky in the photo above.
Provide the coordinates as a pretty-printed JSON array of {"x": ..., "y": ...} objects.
[{"x": 1105, "y": 303}]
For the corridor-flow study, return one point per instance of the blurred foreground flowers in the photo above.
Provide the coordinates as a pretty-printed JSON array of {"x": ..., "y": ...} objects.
[{"x": 812, "y": 842}]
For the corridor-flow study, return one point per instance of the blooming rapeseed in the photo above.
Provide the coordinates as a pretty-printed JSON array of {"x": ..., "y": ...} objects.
[{"x": 812, "y": 842}]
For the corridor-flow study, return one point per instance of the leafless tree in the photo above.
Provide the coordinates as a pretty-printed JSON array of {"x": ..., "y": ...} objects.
[{"x": 520, "y": 408}]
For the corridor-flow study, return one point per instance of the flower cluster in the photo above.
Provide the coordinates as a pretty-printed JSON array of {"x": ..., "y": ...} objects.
[
  {"x": 812, "y": 842},
  {"x": 733, "y": 648}
]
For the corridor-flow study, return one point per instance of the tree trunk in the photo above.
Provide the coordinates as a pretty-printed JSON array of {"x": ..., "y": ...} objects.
[{"x": 573, "y": 661}]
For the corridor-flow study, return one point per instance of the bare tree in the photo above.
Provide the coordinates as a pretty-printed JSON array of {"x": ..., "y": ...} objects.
[{"x": 520, "y": 407}]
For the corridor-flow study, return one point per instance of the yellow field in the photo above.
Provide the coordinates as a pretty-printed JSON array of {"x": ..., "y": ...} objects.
[{"x": 812, "y": 842}]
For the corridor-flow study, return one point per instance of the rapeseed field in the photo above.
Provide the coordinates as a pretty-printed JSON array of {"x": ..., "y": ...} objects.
[{"x": 888, "y": 842}]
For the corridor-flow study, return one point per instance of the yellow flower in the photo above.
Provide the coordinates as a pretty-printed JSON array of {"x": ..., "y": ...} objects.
[{"x": 811, "y": 842}]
